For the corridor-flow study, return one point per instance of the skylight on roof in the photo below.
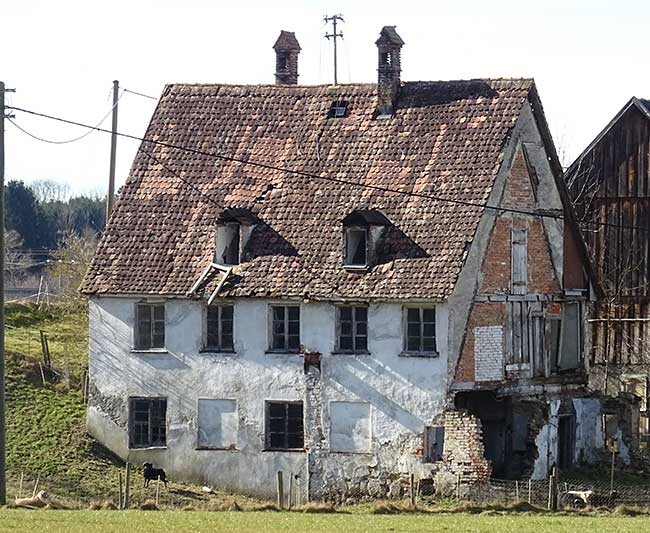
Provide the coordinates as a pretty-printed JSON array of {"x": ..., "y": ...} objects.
[{"x": 338, "y": 109}]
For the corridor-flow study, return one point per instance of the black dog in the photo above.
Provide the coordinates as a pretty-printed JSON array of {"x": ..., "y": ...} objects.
[{"x": 150, "y": 473}]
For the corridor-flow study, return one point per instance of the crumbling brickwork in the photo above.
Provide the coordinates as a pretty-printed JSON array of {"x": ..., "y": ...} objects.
[{"x": 464, "y": 451}]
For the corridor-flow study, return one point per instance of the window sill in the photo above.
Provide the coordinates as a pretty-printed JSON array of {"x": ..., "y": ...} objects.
[
  {"x": 162, "y": 447},
  {"x": 149, "y": 350},
  {"x": 422, "y": 355},
  {"x": 285, "y": 450},
  {"x": 357, "y": 268},
  {"x": 351, "y": 352},
  {"x": 208, "y": 351},
  {"x": 350, "y": 452},
  {"x": 208, "y": 449},
  {"x": 515, "y": 367},
  {"x": 282, "y": 352}
]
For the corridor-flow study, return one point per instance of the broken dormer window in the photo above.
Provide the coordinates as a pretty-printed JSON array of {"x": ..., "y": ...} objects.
[
  {"x": 338, "y": 109},
  {"x": 228, "y": 243},
  {"x": 356, "y": 247}
]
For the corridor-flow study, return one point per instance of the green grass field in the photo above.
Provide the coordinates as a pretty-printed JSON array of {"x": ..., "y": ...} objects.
[{"x": 197, "y": 522}]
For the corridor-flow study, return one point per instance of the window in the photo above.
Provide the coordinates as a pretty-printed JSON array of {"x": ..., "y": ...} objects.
[
  {"x": 519, "y": 261},
  {"x": 434, "y": 441},
  {"x": 421, "y": 330},
  {"x": 519, "y": 323},
  {"x": 227, "y": 249},
  {"x": 150, "y": 326},
  {"x": 219, "y": 328},
  {"x": 285, "y": 328},
  {"x": 284, "y": 426},
  {"x": 353, "y": 329},
  {"x": 338, "y": 109},
  {"x": 356, "y": 246},
  {"x": 147, "y": 422},
  {"x": 571, "y": 345},
  {"x": 282, "y": 61},
  {"x": 218, "y": 424},
  {"x": 350, "y": 427}
]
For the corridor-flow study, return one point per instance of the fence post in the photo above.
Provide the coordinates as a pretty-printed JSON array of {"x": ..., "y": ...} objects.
[
  {"x": 290, "y": 502},
  {"x": 157, "y": 490},
  {"x": 280, "y": 490},
  {"x": 412, "y": 483},
  {"x": 552, "y": 490},
  {"x": 458, "y": 486},
  {"x": 120, "y": 494},
  {"x": 530, "y": 491},
  {"x": 20, "y": 487},
  {"x": 517, "y": 490},
  {"x": 127, "y": 488}
]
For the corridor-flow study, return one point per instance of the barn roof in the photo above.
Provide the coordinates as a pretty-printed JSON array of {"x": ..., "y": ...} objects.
[{"x": 446, "y": 139}]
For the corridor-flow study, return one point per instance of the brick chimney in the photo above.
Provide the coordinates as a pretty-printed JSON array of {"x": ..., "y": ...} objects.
[
  {"x": 286, "y": 58},
  {"x": 389, "y": 47}
]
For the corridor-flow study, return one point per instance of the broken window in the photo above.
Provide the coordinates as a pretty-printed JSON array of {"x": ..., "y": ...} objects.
[
  {"x": 218, "y": 424},
  {"x": 149, "y": 326},
  {"x": 227, "y": 249},
  {"x": 519, "y": 261},
  {"x": 356, "y": 246},
  {"x": 420, "y": 330},
  {"x": 147, "y": 422},
  {"x": 353, "y": 329},
  {"x": 385, "y": 58},
  {"x": 350, "y": 427},
  {"x": 219, "y": 328},
  {"x": 434, "y": 442},
  {"x": 285, "y": 328},
  {"x": 284, "y": 426}
]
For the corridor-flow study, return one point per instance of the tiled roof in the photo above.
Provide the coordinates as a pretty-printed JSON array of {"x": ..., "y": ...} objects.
[{"x": 446, "y": 139}]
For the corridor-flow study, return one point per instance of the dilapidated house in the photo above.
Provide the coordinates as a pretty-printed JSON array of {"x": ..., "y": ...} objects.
[
  {"x": 307, "y": 279},
  {"x": 609, "y": 184}
]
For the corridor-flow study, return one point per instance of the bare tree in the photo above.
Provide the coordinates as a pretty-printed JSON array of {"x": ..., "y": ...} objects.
[{"x": 50, "y": 190}]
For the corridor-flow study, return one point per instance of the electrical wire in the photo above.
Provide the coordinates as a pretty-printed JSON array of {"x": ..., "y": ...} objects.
[
  {"x": 68, "y": 141},
  {"x": 140, "y": 94},
  {"x": 330, "y": 179}
]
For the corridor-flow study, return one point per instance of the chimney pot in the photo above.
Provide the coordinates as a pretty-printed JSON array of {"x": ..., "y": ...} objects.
[
  {"x": 286, "y": 58},
  {"x": 389, "y": 46}
]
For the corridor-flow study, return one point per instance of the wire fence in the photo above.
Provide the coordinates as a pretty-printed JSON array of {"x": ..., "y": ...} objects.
[{"x": 570, "y": 493}]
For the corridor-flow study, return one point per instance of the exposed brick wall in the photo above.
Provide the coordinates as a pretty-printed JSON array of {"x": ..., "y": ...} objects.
[
  {"x": 495, "y": 274},
  {"x": 488, "y": 353},
  {"x": 464, "y": 452},
  {"x": 482, "y": 314},
  {"x": 541, "y": 274},
  {"x": 518, "y": 192}
]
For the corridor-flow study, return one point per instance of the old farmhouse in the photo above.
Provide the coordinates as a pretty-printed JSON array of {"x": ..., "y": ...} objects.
[{"x": 307, "y": 279}]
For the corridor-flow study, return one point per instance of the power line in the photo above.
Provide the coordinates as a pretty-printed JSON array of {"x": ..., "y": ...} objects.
[
  {"x": 68, "y": 141},
  {"x": 310, "y": 175},
  {"x": 140, "y": 94}
]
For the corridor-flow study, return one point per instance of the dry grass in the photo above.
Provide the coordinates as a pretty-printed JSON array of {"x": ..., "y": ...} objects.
[
  {"x": 149, "y": 505},
  {"x": 316, "y": 508}
]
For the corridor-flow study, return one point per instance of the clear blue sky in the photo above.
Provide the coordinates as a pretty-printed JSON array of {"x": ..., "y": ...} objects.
[{"x": 588, "y": 58}]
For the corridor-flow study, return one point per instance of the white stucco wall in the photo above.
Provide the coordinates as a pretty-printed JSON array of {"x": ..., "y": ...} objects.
[{"x": 404, "y": 393}]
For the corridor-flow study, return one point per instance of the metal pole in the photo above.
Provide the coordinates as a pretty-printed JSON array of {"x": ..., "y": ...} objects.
[
  {"x": 110, "y": 198},
  {"x": 334, "y": 35},
  {"x": 335, "y": 66}
]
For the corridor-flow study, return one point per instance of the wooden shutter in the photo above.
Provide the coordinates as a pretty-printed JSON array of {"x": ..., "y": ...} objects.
[{"x": 519, "y": 261}]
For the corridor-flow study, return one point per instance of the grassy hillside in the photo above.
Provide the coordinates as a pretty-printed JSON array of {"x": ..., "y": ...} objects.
[{"x": 46, "y": 434}]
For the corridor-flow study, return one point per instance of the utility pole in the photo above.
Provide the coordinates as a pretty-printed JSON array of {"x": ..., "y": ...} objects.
[
  {"x": 333, "y": 19},
  {"x": 110, "y": 198},
  {"x": 3, "y": 448}
]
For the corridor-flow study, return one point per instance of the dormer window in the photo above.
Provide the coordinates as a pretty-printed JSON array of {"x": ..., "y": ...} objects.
[
  {"x": 362, "y": 230},
  {"x": 228, "y": 243},
  {"x": 356, "y": 249},
  {"x": 338, "y": 109}
]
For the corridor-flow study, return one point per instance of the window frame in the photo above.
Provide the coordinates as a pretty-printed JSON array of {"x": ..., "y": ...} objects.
[
  {"x": 219, "y": 348},
  {"x": 271, "y": 333},
  {"x": 267, "y": 425},
  {"x": 136, "y": 346},
  {"x": 132, "y": 422},
  {"x": 405, "y": 323},
  {"x": 347, "y": 259},
  {"x": 354, "y": 335}
]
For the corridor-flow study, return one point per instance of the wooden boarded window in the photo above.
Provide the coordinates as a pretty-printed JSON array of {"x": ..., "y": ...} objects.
[
  {"x": 519, "y": 261},
  {"x": 434, "y": 443},
  {"x": 571, "y": 342},
  {"x": 519, "y": 325}
]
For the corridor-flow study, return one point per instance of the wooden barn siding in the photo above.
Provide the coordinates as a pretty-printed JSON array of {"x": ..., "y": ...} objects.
[{"x": 619, "y": 165}]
